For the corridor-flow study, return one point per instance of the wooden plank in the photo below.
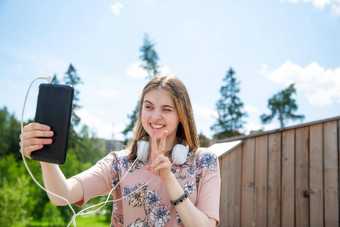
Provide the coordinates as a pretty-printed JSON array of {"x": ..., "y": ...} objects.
[
  {"x": 302, "y": 177},
  {"x": 234, "y": 187},
  {"x": 316, "y": 176},
  {"x": 288, "y": 182},
  {"x": 331, "y": 174},
  {"x": 238, "y": 185},
  {"x": 247, "y": 199},
  {"x": 261, "y": 167},
  {"x": 224, "y": 190},
  {"x": 231, "y": 189},
  {"x": 274, "y": 179}
]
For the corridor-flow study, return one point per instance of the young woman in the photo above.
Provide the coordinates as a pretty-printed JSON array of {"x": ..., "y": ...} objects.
[{"x": 158, "y": 191}]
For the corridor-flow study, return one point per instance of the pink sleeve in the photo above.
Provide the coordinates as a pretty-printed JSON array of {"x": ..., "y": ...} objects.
[
  {"x": 209, "y": 187},
  {"x": 96, "y": 181}
]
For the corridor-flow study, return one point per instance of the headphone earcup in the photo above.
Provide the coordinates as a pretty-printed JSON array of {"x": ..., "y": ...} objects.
[
  {"x": 142, "y": 150},
  {"x": 180, "y": 153}
]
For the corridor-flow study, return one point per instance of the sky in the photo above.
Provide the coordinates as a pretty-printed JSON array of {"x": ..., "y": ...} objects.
[{"x": 268, "y": 43}]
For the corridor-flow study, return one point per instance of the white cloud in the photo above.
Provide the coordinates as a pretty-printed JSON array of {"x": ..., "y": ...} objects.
[
  {"x": 320, "y": 86},
  {"x": 204, "y": 112},
  {"x": 251, "y": 110},
  {"x": 87, "y": 118},
  {"x": 116, "y": 8},
  {"x": 135, "y": 70},
  {"x": 99, "y": 125},
  {"x": 165, "y": 70},
  {"x": 320, "y": 4},
  {"x": 253, "y": 126}
]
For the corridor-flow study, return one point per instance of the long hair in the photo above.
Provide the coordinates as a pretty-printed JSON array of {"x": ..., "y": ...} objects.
[{"x": 186, "y": 129}]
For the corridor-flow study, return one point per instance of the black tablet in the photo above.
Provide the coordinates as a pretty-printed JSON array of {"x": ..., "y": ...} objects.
[{"x": 54, "y": 108}]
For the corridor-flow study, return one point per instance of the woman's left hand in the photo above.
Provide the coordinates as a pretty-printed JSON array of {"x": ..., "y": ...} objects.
[{"x": 161, "y": 165}]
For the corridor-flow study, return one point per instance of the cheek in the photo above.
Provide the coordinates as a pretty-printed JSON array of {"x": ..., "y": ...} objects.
[
  {"x": 173, "y": 122},
  {"x": 144, "y": 119}
]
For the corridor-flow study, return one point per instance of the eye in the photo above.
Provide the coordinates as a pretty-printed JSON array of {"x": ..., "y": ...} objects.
[
  {"x": 167, "y": 110},
  {"x": 147, "y": 107}
]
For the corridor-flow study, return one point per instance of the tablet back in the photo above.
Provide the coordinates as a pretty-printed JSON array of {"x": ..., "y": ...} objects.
[{"x": 54, "y": 108}]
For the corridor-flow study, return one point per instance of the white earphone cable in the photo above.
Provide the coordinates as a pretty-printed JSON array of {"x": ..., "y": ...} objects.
[
  {"x": 82, "y": 212},
  {"x": 22, "y": 144}
]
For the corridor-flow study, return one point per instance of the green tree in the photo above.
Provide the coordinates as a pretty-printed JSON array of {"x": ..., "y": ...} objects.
[
  {"x": 14, "y": 201},
  {"x": 204, "y": 141},
  {"x": 55, "y": 79},
  {"x": 9, "y": 134},
  {"x": 21, "y": 200},
  {"x": 150, "y": 59},
  {"x": 72, "y": 78},
  {"x": 52, "y": 216},
  {"x": 283, "y": 106},
  {"x": 91, "y": 149},
  {"x": 229, "y": 108}
]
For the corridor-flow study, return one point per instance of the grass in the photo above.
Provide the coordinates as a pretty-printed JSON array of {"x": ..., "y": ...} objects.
[{"x": 90, "y": 220}]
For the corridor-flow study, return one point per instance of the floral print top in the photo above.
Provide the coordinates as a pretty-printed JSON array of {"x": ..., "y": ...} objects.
[{"x": 142, "y": 197}]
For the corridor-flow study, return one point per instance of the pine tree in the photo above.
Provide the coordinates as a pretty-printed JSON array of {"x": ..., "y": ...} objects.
[
  {"x": 282, "y": 105},
  {"x": 72, "y": 78},
  {"x": 149, "y": 57},
  {"x": 55, "y": 79},
  {"x": 229, "y": 108},
  {"x": 150, "y": 64}
]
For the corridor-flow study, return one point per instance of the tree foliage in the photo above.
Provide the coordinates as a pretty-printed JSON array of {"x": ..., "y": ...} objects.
[
  {"x": 21, "y": 200},
  {"x": 9, "y": 131},
  {"x": 14, "y": 202},
  {"x": 229, "y": 108},
  {"x": 71, "y": 77},
  {"x": 150, "y": 59},
  {"x": 283, "y": 106}
]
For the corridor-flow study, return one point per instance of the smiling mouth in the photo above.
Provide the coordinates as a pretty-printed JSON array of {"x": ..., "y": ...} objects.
[{"x": 157, "y": 127}]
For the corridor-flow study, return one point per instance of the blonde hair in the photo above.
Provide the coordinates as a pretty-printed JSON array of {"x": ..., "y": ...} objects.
[{"x": 186, "y": 128}]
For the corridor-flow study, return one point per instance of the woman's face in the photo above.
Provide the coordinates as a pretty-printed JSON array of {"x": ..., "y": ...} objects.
[{"x": 159, "y": 113}]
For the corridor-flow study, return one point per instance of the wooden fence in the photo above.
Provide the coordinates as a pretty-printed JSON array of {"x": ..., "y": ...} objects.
[{"x": 287, "y": 177}]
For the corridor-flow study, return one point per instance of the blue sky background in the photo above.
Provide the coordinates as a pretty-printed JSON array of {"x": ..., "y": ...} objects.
[{"x": 269, "y": 43}]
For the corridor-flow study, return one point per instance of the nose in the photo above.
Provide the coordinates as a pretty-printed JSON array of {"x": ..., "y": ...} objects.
[{"x": 156, "y": 114}]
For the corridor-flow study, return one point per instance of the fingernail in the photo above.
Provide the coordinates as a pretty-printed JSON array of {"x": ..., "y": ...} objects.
[{"x": 149, "y": 167}]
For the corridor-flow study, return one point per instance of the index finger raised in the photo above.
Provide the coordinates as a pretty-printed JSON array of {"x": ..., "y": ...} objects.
[{"x": 162, "y": 143}]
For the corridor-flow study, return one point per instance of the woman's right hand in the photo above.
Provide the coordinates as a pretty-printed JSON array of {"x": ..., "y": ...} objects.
[{"x": 35, "y": 136}]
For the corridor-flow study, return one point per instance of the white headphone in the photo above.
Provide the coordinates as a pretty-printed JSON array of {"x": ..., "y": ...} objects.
[{"x": 179, "y": 152}]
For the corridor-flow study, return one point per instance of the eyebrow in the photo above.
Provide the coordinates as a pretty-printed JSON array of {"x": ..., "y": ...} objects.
[{"x": 167, "y": 106}]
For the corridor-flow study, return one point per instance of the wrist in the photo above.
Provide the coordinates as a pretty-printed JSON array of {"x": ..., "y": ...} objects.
[
  {"x": 48, "y": 165},
  {"x": 170, "y": 180},
  {"x": 180, "y": 199}
]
